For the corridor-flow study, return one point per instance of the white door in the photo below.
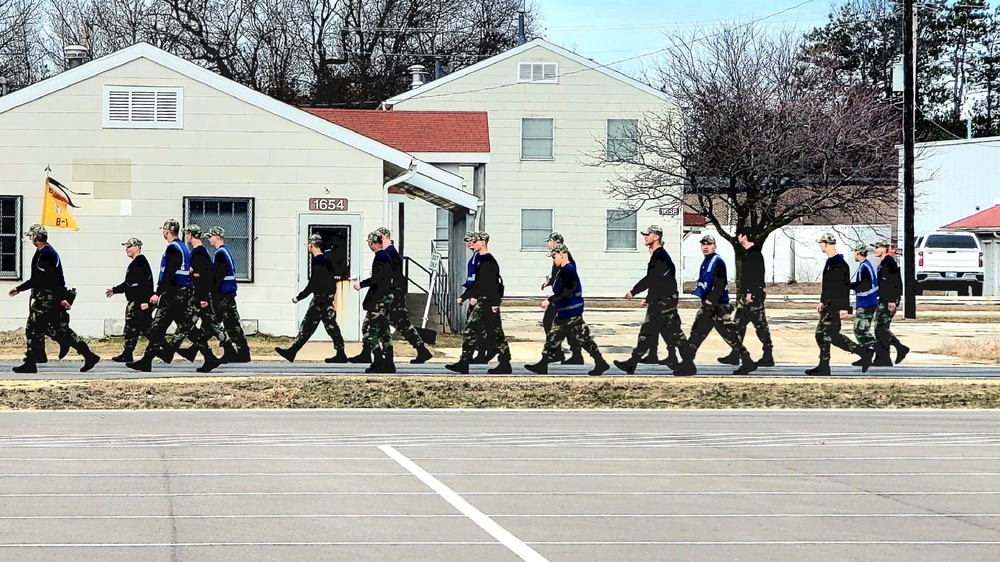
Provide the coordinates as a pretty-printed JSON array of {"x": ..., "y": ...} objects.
[{"x": 342, "y": 239}]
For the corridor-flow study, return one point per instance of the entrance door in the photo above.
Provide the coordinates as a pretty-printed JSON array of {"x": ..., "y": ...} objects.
[{"x": 341, "y": 235}]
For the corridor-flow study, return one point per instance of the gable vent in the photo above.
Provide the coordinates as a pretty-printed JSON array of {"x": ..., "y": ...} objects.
[
  {"x": 131, "y": 107},
  {"x": 539, "y": 72}
]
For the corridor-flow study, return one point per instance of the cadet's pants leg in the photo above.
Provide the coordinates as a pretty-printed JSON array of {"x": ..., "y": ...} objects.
[{"x": 330, "y": 324}]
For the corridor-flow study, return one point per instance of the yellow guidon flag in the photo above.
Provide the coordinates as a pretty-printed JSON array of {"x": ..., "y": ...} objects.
[{"x": 55, "y": 205}]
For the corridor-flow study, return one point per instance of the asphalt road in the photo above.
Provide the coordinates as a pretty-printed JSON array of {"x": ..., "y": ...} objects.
[
  {"x": 68, "y": 370},
  {"x": 500, "y": 485}
]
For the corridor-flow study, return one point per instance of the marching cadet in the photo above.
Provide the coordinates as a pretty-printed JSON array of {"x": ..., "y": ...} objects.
[
  {"x": 567, "y": 300},
  {"x": 834, "y": 306},
  {"x": 175, "y": 303},
  {"x": 750, "y": 301},
  {"x": 49, "y": 302},
  {"x": 485, "y": 297},
  {"x": 653, "y": 357},
  {"x": 661, "y": 307},
  {"x": 204, "y": 297},
  {"x": 323, "y": 287},
  {"x": 226, "y": 313},
  {"x": 399, "y": 316},
  {"x": 576, "y": 357},
  {"x": 487, "y": 353},
  {"x": 865, "y": 287},
  {"x": 377, "y": 303},
  {"x": 716, "y": 310},
  {"x": 890, "y": 290},
  {"x": 137, "y": 287}
]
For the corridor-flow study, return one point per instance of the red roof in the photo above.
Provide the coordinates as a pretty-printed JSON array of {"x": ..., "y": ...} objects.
[
  {"x": 694, "y": 219},
  {"x": 416, "y": 131},
  {"x": 990, "y": 218}
]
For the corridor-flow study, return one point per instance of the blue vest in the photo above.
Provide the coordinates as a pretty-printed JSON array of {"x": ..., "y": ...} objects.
[
  {"x": 470, "y": 276},
  {"x": 182, "y": 277},
  {"x": 572, "y": 305},
  {"x": 228, "y": 286},
  {"x": 706, "y": 279},
  {"x": 868, "y": 298}
]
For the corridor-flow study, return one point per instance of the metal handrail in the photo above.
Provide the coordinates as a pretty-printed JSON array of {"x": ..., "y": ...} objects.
[{"x": 406, "y": 273}]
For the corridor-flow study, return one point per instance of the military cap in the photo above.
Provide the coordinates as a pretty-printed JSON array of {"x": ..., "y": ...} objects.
[
  {"x": 217, "y": 231},
  {"x": 827, "y": 239},
  {"x": 707, "y": 239},
  {"x": 132, "y": 243},
  {"x": 556, "y": 237},
  {"x": 173, "y": 225},
  {"x": 383, "y": 231},
  {"x": 483, "y": 235},
  {"x": 315, "y": 239},
  {"x": 470, "y": 236},
  {"x": 558, "y": 249},
  {"x": 654, "y": 229},
  {"x": 861, "y": 249},
  {"x": 193, "y": 230},
  {"x": 882, "y": 244},
  {"x": 37, "y": 231},
  {"x": 374, "y": 237}
]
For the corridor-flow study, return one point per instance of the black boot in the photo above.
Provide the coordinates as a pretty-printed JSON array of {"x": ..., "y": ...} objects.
[
  {"x": 686, "y": 368},
  {"x": 229, "y": 354},
  {"x": 166, "y": 353},
  {"x": 64, "y": 347},
  {"x": 485, "y": 357},
  {"x": 28, "y": 367},
  {"x": 747, "y": 365},
  {"x": 340, "y": 357},
  {"x": 820, "y": 370},
  {"x": 125, "y": 357},
  {"x": 211, "y": 361},
  {"x": 671, "y": 361},
  {"x": 376, "y": 365},
  {"x": 732, "y": 359},
  {"x": 901, "y": 351},
  {"x": 503, "y": 367},
  {"x": 461, "y": 367},
  {"x": 189, "y": 353},
  {"x": 423, "y": 354},
  {"x": 866, "y": 354},
  {"x": 882, "y": 358},
  {"x": 364, "y": 357},
  {"x": 766, "y": 360},
  {"x": 144, "y": 364},
  {"x": 627, "y": 366},
  {"x": 600, "y": 366},
  {"x": 575, "y": 359},
  {"x": 289, "y": 353},
  {"x": 243, "y": 356},
  {"x": 540, "y": 368},
  {"x": 388, "y": 362},
  {"x": 651, "y": 359},
  {"x": 89, "y": 357}
]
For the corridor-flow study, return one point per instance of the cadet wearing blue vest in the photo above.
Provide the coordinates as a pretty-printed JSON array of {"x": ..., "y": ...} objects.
[
  {"x": 716, "y": 310},
  {"x": 576, "y": 356},
  {"x": 49, "y": 302},
  {"x": 567, "y": 300},
  {"x": 226, "y": 313},
  {"x": 834, "y": 306},
  {"x": 137, "y": 287},
  {"x": 488, "y": 351},
  {"x": 865, "y": 287},
  {"x": 174, "y": 300}
]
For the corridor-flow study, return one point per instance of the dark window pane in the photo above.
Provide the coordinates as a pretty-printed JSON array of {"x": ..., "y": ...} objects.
[
  {"x": 240, "y": 207},
  {"x": 225, "y": 207}
]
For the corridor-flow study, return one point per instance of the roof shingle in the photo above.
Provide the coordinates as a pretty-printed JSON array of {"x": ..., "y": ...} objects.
[{"x": 416, "y": 131}]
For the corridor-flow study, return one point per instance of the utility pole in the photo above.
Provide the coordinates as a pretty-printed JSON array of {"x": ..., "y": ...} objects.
[{"x": 909, "y": 122}]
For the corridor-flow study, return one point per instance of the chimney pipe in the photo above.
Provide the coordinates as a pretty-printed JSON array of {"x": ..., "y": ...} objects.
[
  {"x": 521, "y": 39},
  {"x": 418, "y": 71},
  {"x": 438, "y": 68}
]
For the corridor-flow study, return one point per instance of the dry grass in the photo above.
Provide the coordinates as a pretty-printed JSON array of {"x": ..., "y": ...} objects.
[
  {"x": 473, "y": 392},
  {"x": 980, "y": 349}
]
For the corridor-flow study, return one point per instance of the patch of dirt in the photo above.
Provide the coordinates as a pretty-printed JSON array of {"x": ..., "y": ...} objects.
[
  {"x": 476, "y": 392},
  {"x": 978, "y": 349}
]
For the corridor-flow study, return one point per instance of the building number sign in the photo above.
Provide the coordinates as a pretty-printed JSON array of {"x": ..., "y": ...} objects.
[{"x": 327, "y": 204}]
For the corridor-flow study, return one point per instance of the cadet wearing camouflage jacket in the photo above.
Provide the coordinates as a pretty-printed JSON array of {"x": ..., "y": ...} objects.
[
  {"x": 323, "y": 288},
  {"x": 890, "y": 285},
  {"x": 49, "y": 303},
  {"x": 750, "y": 301},
  {"x": 834, "y": 306},
  {"x": 567, "y": 300},
  {"x": 485, "y": 354},
  {"x": 377, "y": 304},
  {"x": 399, "y": 316},
  {"x": 137, "y": 288},
  {"x": 548, "y": 319},
  {"x": 226, "y": 314},
  {"x": 866, "y": 290},
  {"x": 175, "y": 303},
  {"x": 485, "y": 297},
  {"x": 661, "y": 306}
]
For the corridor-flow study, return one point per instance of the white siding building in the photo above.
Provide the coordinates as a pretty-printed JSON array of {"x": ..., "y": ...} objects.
[
  {"x": 151, "y": 136},
  {"x": 550, "y": 111}
]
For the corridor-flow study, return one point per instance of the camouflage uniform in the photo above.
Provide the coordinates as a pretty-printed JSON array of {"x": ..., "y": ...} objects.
[
  {"x": 719, "y": 317},
  {"x": 574, "y": 327},
  {"x": 46, "y": 316},
  {"x": 376, "y": 325},
  {"x": 228, "y": 321},
  {"x": 747, "y": 313},
  {"x": 661, "y": 319},
  {"x": 883, "y": 319},
  {"x": 321, "y": 309},
  {"x": 863, "y": 317},
  {"x": 137, "y": 322},
  {"x": 486, "y": 324},
  {"x": 828, "y": 332},
  {"x": 176, "y": 307}
]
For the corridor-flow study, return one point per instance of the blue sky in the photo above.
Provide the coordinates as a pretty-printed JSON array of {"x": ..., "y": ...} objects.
[{"x": 609, "y": 31}]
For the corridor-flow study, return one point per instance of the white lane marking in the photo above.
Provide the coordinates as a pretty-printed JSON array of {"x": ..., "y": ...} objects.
[
  {"x": 232, "y": 544},
  {"x": 517, "y": 515},
  {"x": 511, "y": 493},
  {"x": 498, "y": 474},
  {"x": 515, "y": 544}
]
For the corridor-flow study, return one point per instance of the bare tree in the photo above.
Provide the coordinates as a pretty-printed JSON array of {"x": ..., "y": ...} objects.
[
  {"x": 755, "y": 137},
  {"x": 21, "y": 61}
]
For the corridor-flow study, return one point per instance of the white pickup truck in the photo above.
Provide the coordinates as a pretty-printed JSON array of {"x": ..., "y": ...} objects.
[{"x": 949, "y": 261}]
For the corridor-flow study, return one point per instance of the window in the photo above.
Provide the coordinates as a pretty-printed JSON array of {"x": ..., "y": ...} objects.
[
  {"x": 536, "y": 139},
  {"x": 442, "y": 224},
  {"x": 10, "y": 237},
  {"x": 131, "y": 107},
  {"x": 536, "y": 225},
  {"x": 952, "y": 242},
  {"x": 538, "y": 72},
  {"x": 235, "y": 215},
  {"x": 622, "y": 229},
  {"x": 623, "y": 139}
]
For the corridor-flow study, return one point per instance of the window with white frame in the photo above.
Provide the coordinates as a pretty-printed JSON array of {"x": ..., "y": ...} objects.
[
  {"x": 135, "y": 107},
  {"x": 622, "y": 230},
  {"x": 538, "y": 72},
  {"x": 235, "y": 215},
  {"x": 623, "y": 145},
  {"x": 536, "y": 225},
  {"x": 442, "y": 224},
  {"x": 10, "y": 237},
  {"x": 537, "y": 135}
]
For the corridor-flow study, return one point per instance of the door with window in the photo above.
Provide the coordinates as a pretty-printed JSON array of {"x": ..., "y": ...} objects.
[{"x": 342, "y": 243}]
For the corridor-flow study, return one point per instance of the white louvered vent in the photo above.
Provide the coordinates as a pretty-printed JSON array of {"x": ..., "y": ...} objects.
[
  {"x": 538, "y": 72},
  {"x": 132, "y": 107}
]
